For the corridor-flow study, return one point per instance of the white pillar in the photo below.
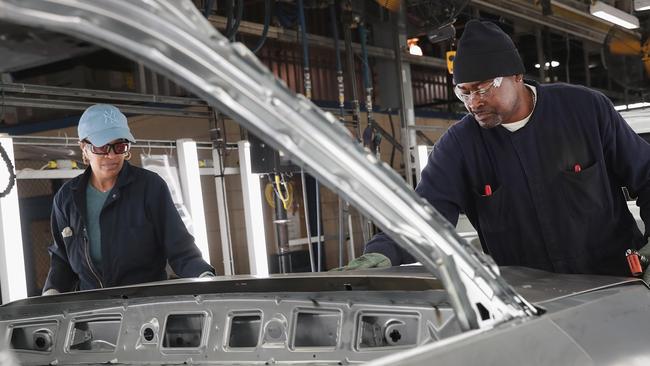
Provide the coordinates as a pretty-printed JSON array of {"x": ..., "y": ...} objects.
[
  {"x": 12, "y": 263},
  {"x": 252, "y": 192},
  {"x": 188, "y": 166}
]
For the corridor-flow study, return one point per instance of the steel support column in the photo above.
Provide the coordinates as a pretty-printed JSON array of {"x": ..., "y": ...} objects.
[{"x": 407, "y": 113}]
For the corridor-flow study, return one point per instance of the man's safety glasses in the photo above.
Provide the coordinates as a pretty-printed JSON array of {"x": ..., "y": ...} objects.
[
  {"x": 482, "y": 93},
  {"x": 121, "y": 147}
]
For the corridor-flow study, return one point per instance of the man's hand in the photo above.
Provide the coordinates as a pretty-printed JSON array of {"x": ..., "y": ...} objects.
[
  {"x": 645, "y": 251},
  {"x": 368, "y": 260}
]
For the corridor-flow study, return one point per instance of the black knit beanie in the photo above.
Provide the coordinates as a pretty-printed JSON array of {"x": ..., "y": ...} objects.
[{"x": 485, "y": 52}]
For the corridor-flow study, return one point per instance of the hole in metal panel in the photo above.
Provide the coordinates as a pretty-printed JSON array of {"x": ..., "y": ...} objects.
[
  {"x": 98, "y": 335},
  {"x": 37, "y": 337},
  {"x": 183, "y": 331},
  {"x": 317, "y": 329},
  {"x": 244, "y": 331},
  {"x": 148, "y": 334},
  {"x": 387, "y": 330}
]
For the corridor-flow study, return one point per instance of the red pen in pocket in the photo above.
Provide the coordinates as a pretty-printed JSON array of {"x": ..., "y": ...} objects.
[
  {"x": 577, "y": 168},
  {"x": 487, "y": 191}
]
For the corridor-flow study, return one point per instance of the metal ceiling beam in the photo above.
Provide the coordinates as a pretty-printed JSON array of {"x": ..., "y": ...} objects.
[
  {"x": 566, "y": 19},
  {"x": 74, "y": 105},
  {"x": 98, "y": 94},
  {"x": 290, "y": 36}
]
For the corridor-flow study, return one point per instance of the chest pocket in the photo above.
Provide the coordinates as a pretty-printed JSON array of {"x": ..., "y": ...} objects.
[
  {"x": 493, "y": 211},
  {"x": 584, "y": 191}
]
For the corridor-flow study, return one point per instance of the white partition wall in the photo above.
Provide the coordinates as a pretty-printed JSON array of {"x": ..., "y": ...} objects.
[
  {"x": 190, "y": 176},
  {"x": 252, "y": 192},
  {"x": 12, "y": 263}
]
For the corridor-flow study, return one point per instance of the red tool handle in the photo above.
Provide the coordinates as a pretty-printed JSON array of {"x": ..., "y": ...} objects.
[{"x": 634, "y": 263}]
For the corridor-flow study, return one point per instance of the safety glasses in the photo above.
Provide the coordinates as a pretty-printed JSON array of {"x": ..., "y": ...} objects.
[
  {"x": 120, "y": 147},
  {"x": 482, "y": 93}
]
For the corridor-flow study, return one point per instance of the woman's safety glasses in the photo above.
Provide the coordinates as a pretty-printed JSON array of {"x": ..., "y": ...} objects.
[
  {"x": 482, "y": 93},
  {"x": 120, "y": 147}
]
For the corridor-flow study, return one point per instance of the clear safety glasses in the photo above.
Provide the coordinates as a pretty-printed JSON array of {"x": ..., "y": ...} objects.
[{"x": 481, "y": 93}]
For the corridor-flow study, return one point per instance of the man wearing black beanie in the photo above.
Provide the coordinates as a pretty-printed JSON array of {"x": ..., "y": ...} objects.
[{"x": 538, "y": 169}]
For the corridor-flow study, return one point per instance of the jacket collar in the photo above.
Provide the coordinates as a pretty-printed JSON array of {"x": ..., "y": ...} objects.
[{"x": 125, "y": 177}]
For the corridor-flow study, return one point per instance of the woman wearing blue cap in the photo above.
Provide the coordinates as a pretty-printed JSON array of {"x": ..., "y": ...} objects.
[
  {"x": 116, "y": 224},
  {"x": 538, "y": 169}
]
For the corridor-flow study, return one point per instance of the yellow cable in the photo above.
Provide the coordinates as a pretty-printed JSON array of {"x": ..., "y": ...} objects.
[
  {"x": 270, "y": 190},
  {"x": 283, "y": 198}
]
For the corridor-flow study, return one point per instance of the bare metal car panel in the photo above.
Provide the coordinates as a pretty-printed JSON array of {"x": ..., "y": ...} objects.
[
  {"x": 469, "y": 314},
  {"x": 601, "y": 327},
  {"x": 176, "y": 40}
]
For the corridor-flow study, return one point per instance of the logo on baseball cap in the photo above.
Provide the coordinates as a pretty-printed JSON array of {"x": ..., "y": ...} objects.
[{"x": 103, "y": 123}]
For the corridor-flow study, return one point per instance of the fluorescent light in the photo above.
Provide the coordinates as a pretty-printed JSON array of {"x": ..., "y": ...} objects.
[
  {"x": 641, "y": 5},
  {"x": 614, "y": 15},
  {"x": 638, "y": 105},
  {"x": 632, "y": 106}
]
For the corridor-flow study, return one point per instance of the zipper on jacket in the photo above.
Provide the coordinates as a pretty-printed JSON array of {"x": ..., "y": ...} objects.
[{"x": 90, "y": 265}]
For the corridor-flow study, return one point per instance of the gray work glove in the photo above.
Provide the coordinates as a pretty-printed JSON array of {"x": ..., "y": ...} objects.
[
  {"x": 368, "y": 260},
  {"x": 645, "y": 251},
  {"x": 207, "y": 274}
]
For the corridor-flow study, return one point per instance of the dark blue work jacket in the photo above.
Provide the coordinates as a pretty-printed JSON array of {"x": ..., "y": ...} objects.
[
  {"x": 140, "y": 231},
  {"x": 556, "y": 201}
]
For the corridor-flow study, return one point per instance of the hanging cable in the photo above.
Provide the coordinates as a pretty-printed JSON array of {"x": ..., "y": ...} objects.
[
  {"x": 209, "y": 4},
  {"x": 305, "y": 49},
  {"x": 5, "y": 157},
  {"x": 230, "y": 6},
  {"x": 349, "y": 21},
  {"x": 10, "y": 169},
  {"x": 371, "y": 136},
  {"x": 339, "y": 66},
  {"x": 232, "y": 32},
  {"x": 265, "y": 30}
]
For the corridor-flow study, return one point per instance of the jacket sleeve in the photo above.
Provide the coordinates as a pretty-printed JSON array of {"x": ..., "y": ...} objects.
[
  {"x": 440, "y": 186},
  {"x": 182, "y": 253},
  {"x": 628, "y": 155},
  {"x": 60, "y": 277}
]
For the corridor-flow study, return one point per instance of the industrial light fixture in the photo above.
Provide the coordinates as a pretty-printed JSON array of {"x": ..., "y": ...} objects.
[
  {"x": 414, "y": 49},
  {"x": 624, "y": 107},
  {"x": 548, "y": 65},
  {"x": 641, "y": 5},
  {"x": 613, "y": 15}
]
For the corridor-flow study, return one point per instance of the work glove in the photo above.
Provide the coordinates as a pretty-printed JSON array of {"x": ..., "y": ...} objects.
[
  {"x": 368, "y": 260},
  {"x": 207, "y": 274}
]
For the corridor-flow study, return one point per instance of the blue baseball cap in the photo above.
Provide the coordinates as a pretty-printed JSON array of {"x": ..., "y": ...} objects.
[{"x": 103, "y": 123}]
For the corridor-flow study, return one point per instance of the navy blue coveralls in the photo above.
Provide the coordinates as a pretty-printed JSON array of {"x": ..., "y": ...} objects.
[
  {"x": 140, "y": 231},
  {"x": 543, "y": 213}
]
